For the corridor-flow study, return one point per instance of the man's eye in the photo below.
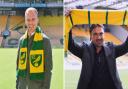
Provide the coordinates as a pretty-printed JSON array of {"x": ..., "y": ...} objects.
[
  {"x": 95, "y": 34},
  {"x": 101, "y": 34}
]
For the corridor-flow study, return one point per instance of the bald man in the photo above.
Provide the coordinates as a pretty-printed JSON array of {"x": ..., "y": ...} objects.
[{"x": 34, "y": 59}]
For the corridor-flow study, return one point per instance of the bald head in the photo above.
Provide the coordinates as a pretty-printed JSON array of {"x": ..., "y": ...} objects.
[
  {"x": 31, "y": 9},
  {"x": 31, "y": 18}
]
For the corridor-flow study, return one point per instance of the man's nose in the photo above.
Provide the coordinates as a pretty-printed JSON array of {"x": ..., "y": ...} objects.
[
  {"x": 99, "y": 37},
  {"x": 30, "y": 22}
]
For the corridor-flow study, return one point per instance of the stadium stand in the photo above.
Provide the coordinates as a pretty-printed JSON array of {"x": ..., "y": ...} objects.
[
  {"x": 16, "y": 25},
  {"x": 50, "y": 21},
  {"x": 126, "y": 27},
  {"x": 12, "y": 18},
  {"x": 12, "y": 41},
  {"x": 111, "y": 38},
  {"x": 1, "y": 38},
  {"x": 69, "y": 1},
  {"x": 3, "y": 20},
  {"x": 55, "y": 33},
  {"x": 30, "y": 1},
  {"x": 15, "y": 21}
]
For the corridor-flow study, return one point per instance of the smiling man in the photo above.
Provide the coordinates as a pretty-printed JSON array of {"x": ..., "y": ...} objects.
[
  {"x": 99, "y": 69},
  {"x": 34, "y": 59}
]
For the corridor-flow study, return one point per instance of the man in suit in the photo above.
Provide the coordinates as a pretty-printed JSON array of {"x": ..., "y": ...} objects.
[
  {"x": 34, "y": 59},
  {"x": 99, "y": 69}
]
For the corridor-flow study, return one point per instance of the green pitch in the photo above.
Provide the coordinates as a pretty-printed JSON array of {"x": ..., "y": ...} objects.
[
  {"x": 72, "y": 77},
  {"x": 8, "y": 68}
]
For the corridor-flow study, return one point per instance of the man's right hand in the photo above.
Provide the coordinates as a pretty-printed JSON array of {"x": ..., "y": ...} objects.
[{"x": 67, "y": 12}]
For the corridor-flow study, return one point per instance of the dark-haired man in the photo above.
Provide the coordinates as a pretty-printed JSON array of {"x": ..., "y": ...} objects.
[{"x": 99, "y": 69}]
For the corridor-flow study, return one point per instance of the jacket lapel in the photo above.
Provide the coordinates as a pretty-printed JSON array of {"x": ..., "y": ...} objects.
[
  {"x": 110, "y": 61},
  {"x": 92, "y": 53},
  {"x": 87, "y": 66}
]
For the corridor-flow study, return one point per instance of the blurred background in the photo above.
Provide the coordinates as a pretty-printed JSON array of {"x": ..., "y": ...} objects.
[
  {"x": 95, "y": 4},
  {"x": 12, "y": 27},
  {"x": 113, "y": 33}
]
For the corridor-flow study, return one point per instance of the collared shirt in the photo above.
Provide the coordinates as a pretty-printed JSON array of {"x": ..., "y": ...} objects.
[
  {"x": 32, "y": 33},
  {"x": 101, "y": 78}
]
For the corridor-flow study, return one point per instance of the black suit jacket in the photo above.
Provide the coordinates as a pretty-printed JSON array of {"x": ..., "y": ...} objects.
[{"x": 86, "y": 53}]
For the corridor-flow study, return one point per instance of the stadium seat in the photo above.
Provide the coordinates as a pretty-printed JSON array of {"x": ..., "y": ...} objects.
[{"x": 3, "y": 20}]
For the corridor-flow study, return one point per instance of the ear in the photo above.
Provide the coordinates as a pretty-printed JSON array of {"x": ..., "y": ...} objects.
[
  {"x": 37, "y": 20},
  {"x": 90, "y": 36},
  {"x": 25, "y": 22}
]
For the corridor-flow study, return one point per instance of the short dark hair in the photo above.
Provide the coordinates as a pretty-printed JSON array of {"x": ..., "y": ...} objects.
[{"x": 93, "y": 26}]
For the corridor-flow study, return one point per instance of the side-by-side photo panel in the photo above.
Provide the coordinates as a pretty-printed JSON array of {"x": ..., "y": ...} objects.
[
  {"x": 96, "y": 46},
  {"x": 31, "y": 44}
]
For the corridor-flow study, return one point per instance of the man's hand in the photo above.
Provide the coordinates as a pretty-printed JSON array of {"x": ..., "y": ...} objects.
[{"x": 67, "y": 11}]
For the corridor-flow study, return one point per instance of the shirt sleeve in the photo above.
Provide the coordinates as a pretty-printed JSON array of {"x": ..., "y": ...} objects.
[
  {"x": 73, "y": 47},
  {"x": 17, "y": 58},
  {"x": 121, "y": 49},
  {"x": 48, "y": 64},
  {"x": 18, "y": 52}
]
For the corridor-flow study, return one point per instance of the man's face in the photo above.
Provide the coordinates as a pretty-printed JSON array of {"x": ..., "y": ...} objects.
[
  {"x": 31, "y": 20},
  {"x": 97, "y": 36}
]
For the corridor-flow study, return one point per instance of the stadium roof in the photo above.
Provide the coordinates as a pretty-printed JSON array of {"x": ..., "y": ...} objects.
[
  {"x": 91, "y": 4},
  {"x": 25, "y": 4}
]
